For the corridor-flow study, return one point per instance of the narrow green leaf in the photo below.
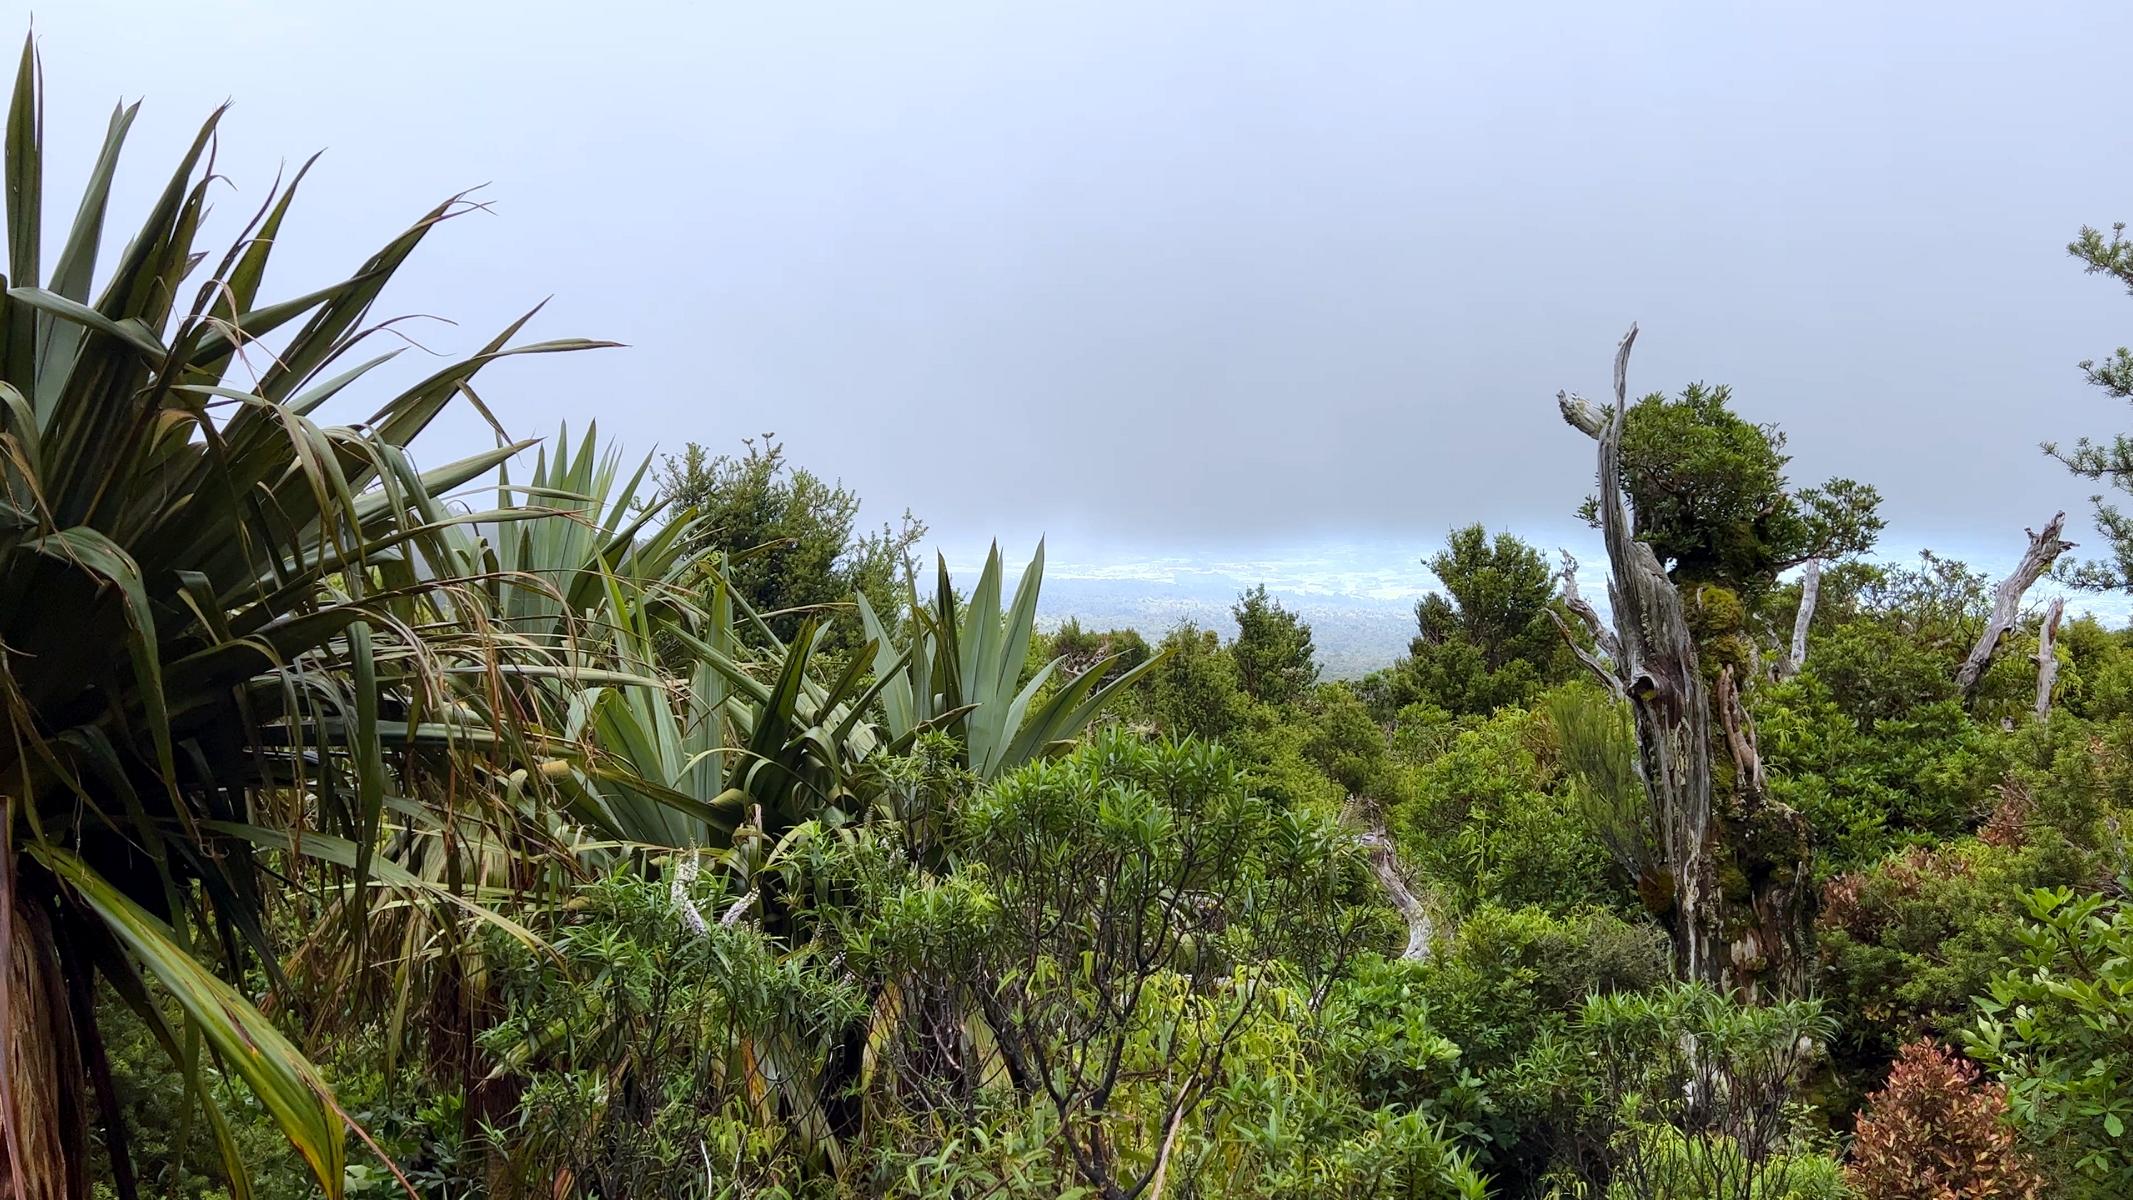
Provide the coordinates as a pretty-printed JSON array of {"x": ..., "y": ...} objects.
[{"x": 286, "y": 1083}]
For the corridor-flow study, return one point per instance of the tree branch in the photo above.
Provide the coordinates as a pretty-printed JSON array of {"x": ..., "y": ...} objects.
[
  {"x": 2044, "y": 549},
  {"x": 1740, "y": 735},
  {"x": 2047, "y": 658},
  {"x": 1810, "y": 591},
  {"x": 1603, "y": 670},
  {"x": 1582, "y": 414}
]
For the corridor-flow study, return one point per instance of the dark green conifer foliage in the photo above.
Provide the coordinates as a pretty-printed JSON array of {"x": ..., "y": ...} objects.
[
  {"x": 1276, "y": 662},
  {"x": 1709, "y": 495},
  {"x": 2090, "y": 459}
]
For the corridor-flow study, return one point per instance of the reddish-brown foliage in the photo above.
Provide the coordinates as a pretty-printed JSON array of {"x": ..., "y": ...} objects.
[
  {"x": 1935, "y": 1132},
  {"x": 2008, "y": 826}
]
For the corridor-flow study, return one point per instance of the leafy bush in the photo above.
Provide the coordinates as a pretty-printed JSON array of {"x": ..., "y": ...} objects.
[
  {"x": 1278, "y": 757},
  {"x": 1484, "y": 643},
  {"x": 1873, "y": 672},
  {"x": 2055, "y": 1031},
  {"x": 1275, "y": 659},
  {"x": 1346, "y": 743},
  {"x": 1195, "y": 690},
  {"x": 1934, "y": 1132},
  {"x": 174, "y": 1149},
  {"x": 650, "y": 1046},
  {"x": 1906, "y": 943},
  {"x": 2097, "y": 679},
  {"x": 1597, "y": 741},
  {"x": 1483, "y": 826},
  {"x": 793, "y": 542},
  {"x": 1506, "y": 989},
  {"x": 1081, "y": 649},
  {"x": 1693, "y": 1172},
  {"x": 1877, "y": 774},
  {"x": 1507, "y": 975},
  {"x": 1699, "y": 1090},
  {"x": 1710, "y": 496},
  {"x": 1147, "y": 899}
]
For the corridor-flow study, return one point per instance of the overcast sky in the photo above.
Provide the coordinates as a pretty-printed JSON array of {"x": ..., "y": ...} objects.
[{"x": 1158, "y": 277}]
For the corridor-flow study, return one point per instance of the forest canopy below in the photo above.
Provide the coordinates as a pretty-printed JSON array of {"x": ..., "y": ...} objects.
[{"x": 550, "y": 823}]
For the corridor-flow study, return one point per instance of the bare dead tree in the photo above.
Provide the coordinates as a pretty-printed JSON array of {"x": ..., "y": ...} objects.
[
  {"x": 2047, "y": 656},
  {"x": 1740, "y": 937},
  {"x": 2044, "y": 549},
  {"x": 1655, "y": 668},
  {"x": 1810, "y": 591}
]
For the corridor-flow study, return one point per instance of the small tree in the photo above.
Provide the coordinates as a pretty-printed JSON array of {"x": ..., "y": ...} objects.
[
  {"x": 2089, "y": 459},
  {"x": 1497, "y": 596},
  {"x": 1275, "y": 659},
  {"x": 1698, "y": 1089},
  {"x": 1146, "y": 901},
  {"x": 1486, "y": 641},
  {"x": 793, "y": 539},
  {"x": 1194, "y": 689}
]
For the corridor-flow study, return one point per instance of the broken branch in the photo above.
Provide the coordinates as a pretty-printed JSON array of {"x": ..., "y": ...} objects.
[{"x": 2044, "y": 549}]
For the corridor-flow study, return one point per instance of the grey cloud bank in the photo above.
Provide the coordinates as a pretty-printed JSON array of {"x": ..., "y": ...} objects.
[{"x": 1202, "y": 280}]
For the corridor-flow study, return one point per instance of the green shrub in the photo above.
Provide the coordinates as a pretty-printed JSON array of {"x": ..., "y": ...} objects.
[
  {"x": 1507, "y": 975},
  {"x": 173, "y": 1148},
  {"x": 1345, "y": 743},
  {"x": 1874, "y": 673},
  {"x": 1148, "y": 903},
  {"x": 1868, "y": 780},
  {"x": 1486, "y": 824},
  {"x": 1506, "y": 988},
  {"x": 2054, "y": 1030},
  {"x": 1904, "y": 944},
  {"x": 642, "y": 1050},
  {"x": 1195, "y": 690},
  {"x": 1698, "y": 1090}
]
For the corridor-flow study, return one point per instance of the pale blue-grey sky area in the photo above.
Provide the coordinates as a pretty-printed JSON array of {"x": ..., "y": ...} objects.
[{"x": 1186, "y": 277}]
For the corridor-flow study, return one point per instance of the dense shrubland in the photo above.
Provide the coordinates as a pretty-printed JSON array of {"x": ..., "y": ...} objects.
[{"x": 663, "y": 833}]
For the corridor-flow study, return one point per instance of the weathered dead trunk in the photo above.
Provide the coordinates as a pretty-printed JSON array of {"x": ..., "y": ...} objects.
[
  {"x": 1655, "y": 668},
  {"x": 2044, "y": 549},
  {"x": 1765, "y": 897},
  {"x": 2048, "y": 657},
  {"x": 1385, "y": 864},
  {"x": 1737, "y": 913},
  {"x": 1810, "y": 591}
]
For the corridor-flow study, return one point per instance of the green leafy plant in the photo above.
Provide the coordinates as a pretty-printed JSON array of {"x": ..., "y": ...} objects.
[
  {"x": 1699, "y": 1089},
  {"x": 962, "y": 671},
  {"x": 2053, "y": 1030},
  {"x": 1710, "y": 496},
  {"x": 218, "y": 613},
  {"x": 664, "y": 1039},
  {"x": 1147, "y": 903}
]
